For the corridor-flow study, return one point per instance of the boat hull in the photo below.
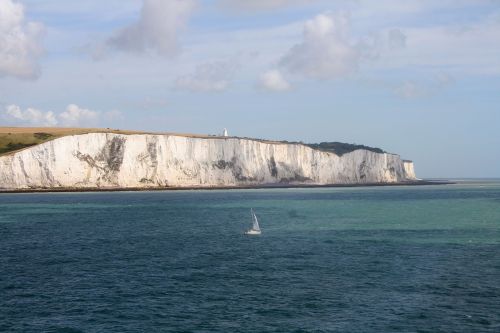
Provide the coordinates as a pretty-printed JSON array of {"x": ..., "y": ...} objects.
[{"x": 252, "y": 232}]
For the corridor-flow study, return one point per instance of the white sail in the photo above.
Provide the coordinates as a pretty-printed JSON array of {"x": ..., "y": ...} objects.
[
  {"x": 255, "y": 230},
  {"x": 255, "y": 222}
]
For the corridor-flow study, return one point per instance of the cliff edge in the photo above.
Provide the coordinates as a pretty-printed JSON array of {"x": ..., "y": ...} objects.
[{"x": 110, "y": 160}]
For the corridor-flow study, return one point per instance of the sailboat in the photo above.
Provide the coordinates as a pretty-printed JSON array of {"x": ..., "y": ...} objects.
[{"x": 255, "y": 230}]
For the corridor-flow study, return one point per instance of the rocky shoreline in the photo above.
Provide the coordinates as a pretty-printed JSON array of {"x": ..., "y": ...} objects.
[{"x": 208, "y": 188}]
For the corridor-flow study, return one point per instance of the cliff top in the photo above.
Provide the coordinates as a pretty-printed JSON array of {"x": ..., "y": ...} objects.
[
  {"x": 341, "y": 148},
  {"x": 17, "y": 138},
  {"x": 13, "y": 139}
]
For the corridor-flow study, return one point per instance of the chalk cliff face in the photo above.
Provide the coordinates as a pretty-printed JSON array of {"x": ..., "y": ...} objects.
[
  {"x": 409, "y": 170},
  {"x": 114, "y": 160}
]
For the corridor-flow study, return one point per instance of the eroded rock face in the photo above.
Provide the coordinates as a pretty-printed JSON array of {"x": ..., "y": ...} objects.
[
  {"x": 409, "y": 170},
  {"x": 114, "y": 160}
]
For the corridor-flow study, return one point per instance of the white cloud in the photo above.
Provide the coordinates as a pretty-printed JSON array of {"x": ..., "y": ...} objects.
[
  {"x": 157, "y": 28},
  {"x": 207, "y": 77},
  {"x": 260, "y": 4},
  {"x": 20, "y": 46},
  {"x": 273, "y": 80},
  {"x": 29, "y": 116},
  {"x": 77, "y": 116},
  {"x": 326, "y": 51},
  {"x": 72, "y": 116}
]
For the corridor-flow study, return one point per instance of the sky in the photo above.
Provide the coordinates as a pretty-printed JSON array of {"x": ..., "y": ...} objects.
[{"x": 419, "y": 78}]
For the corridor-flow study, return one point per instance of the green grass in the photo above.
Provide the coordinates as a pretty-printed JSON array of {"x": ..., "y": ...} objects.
[
  {"x": 341, "y": 148},
  {"x": 15, "y": 141}
]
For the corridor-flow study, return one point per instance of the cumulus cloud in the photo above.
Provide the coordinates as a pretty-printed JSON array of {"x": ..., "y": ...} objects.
[
  {"x": 72, "y": 116},
  {"x": 273, "y": 80},
  {"x": 20, "y": 46},
  {"x": 77, "y": 116},
  {"x": 207, "y": 77},
  {"x": 325, "y": 51},
  {"x": 157, "y": 28},
  {"x": 29, "y": 116}
]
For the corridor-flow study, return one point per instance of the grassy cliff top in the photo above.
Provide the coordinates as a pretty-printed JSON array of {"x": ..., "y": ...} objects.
[
  {"x": 17, "y": 138},
  {"x": 13, "y": 139},
  {"x": 341, "y": 148}
]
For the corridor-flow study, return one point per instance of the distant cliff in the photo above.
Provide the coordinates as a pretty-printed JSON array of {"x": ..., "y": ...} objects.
[{"x": 104, "y": 160}]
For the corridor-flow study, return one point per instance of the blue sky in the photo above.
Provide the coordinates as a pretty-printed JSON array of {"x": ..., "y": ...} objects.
[{"x": 418, "y": 78}]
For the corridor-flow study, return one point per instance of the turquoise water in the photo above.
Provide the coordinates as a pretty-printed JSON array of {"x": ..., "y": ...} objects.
[{"x": 377, "y": 259}]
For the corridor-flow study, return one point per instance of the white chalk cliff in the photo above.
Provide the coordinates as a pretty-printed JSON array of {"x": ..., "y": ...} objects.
[{"x": 103, "y": 160}]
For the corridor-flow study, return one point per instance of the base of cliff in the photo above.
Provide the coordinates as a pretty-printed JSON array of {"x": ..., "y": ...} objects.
[{"x": 262, "y": 186}]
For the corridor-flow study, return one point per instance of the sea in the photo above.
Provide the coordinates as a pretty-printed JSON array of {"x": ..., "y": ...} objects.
[{"x": 361, "y": 259}]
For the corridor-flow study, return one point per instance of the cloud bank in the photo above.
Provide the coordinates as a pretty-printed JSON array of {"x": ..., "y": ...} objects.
[
  {"x": 72, "y": 116},
  {"x": 30, "y": 116},
  {"x": 20, "y": 42}
]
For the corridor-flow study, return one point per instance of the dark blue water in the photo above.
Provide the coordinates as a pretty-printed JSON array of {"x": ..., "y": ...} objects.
[{"x": 406, "y": 259}]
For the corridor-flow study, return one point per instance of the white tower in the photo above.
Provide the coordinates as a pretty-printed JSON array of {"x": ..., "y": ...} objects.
[{"x": 224, "y": 133}]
